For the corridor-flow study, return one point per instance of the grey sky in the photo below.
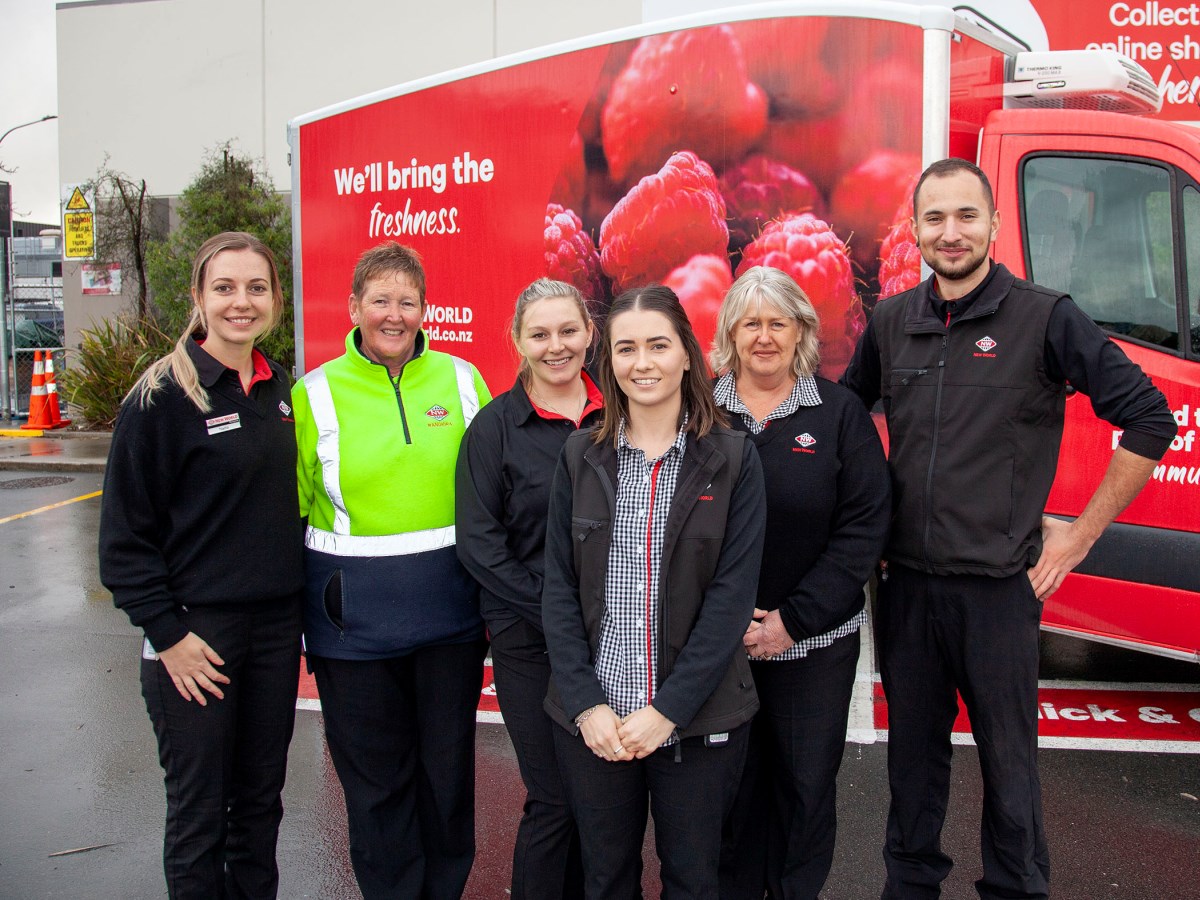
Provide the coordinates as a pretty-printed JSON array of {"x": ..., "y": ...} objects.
[{"x": 29, "y": 91}]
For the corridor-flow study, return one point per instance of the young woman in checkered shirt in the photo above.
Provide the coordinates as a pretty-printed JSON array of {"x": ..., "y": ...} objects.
[{"x": 652, "y": 554}]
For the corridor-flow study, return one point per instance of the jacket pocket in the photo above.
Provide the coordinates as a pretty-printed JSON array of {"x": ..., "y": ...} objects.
[
  {"x": 905, "y": 377},
  {"x": 582, "y": 529},
  {"x": 333, "y": 600}
]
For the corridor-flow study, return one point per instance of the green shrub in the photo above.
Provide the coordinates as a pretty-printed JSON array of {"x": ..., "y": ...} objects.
[
  {"x": 110, "y": 359},
  {"x": 232, "y": 192}
]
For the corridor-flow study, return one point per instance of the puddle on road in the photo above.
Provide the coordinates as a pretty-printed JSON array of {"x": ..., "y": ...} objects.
[{"x": 16, "y": 484}]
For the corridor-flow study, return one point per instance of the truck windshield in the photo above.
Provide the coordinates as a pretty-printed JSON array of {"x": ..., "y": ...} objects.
[{"x": 1100, "y": 229}]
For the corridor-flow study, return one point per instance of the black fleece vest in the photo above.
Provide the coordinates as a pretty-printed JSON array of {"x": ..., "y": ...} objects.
[{"x": 975, "y": 426}]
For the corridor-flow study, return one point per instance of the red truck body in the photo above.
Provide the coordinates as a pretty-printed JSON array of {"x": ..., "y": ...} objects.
[{"x": 804, "y": 133}]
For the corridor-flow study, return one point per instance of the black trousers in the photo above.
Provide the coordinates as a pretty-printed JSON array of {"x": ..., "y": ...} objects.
[
  {"x": 547, "y": 864},
  {"x": 401, "y": 734},
  {"x": 782, "y": 831},
  {"x": 688, "y": 788},
  {"x": 978, "y": 635},
  {"x": 224, "y": 764}
]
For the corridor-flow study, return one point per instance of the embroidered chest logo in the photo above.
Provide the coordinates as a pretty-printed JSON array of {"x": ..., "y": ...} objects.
[
  {"x": 437, "y": 413},
  {"x": 806, "y": 442},
  {"x": 284, "y": 408},
  {"x": 986, "y": 344}
]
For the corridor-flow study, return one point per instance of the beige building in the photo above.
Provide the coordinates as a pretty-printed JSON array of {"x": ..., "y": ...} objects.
[{"x": 153, "y": 84}]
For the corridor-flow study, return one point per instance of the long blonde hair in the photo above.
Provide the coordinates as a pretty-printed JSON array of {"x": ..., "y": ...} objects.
[{"x": 178, "y": 363}]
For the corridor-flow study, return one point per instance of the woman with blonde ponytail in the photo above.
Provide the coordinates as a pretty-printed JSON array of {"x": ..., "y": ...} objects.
[{"x": 201, "y": 545}]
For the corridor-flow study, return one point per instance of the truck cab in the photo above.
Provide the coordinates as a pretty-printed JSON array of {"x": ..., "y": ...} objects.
[{"x": 1106, "y": 207}]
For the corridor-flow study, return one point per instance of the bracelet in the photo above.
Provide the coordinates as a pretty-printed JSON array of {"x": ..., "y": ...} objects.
[{"x": 582, "y": 717}]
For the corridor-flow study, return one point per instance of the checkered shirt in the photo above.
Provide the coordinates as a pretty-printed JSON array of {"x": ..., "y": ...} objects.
[
  {"x": 627, "y": 655},
  {"x": 804, "y": 393}
]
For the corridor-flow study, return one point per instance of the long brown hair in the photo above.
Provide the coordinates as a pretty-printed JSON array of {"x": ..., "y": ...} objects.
[{"x": 701, "y": 413}]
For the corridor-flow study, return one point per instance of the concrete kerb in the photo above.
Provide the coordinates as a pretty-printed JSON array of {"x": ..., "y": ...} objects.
[{"x": 66, "y": 449}]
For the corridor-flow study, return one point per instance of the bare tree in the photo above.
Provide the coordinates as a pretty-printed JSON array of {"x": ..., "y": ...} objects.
[{"x": 124, "y": 227}]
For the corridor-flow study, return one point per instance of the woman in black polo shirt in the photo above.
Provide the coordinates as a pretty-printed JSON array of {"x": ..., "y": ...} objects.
[
  {"x": 828, "y": 508},
  {"x": 652, "y": 553},
  {"x": 200, "y": 544},
  {"x": 502, "y": 491}
]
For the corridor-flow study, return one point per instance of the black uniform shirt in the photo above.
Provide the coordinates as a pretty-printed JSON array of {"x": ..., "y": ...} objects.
[
  {"x": 501, "y": 494},
  {"x": 201, "y": 507}
]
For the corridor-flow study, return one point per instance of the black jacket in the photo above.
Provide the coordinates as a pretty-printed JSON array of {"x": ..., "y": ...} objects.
[
  {"x": 501, "y": 493},
  {"x": 196, "y": 512},
  {"x": 711, "y": 555},
  {"x": 975, "y": 416}
]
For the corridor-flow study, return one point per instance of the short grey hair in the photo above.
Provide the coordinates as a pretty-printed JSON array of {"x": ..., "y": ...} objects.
[{"x": 764, "y": 285}]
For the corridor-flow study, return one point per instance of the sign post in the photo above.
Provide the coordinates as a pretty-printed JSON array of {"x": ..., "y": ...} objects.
[{"x": 7, "y": 406}]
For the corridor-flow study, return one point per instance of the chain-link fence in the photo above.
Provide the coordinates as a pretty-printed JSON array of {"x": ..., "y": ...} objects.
[{"x": 37, "y": 324}]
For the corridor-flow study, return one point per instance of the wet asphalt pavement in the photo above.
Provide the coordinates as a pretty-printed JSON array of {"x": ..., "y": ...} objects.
[{"x": 78, "y": 764}]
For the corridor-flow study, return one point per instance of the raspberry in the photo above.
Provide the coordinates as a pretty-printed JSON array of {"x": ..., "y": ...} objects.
[
  {"x": 899, "y": 257},
  {"x": 681, "y": 89},
  {"x": 614, "y": 64},
  {"x": 570, "y": 188},
  {"x": 865, "y": 198},
  {"x": 883, "y": 110},
  {"x": 784, "y": 58},
  {"x": 811, "y": 146},
  {"x": 806, "y": 248},
  {"x": 700, "y": 284},
  {"x": 664, "y": 221},
  {"x": 761, "y": 189},
  {"x": 570, "y": 254}
]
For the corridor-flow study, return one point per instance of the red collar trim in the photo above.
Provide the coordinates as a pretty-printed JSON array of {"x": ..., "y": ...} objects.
[
  {"x": 262, "y": 368},
  {"x": 595, "y": 401}
]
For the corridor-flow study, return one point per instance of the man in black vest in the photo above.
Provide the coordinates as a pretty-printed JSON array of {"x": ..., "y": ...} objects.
[{"x": 972, "y": 367}]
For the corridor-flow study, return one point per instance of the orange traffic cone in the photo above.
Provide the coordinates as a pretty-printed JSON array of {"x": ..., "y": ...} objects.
[
  {"x": 37, "y": 396},
  {"x": 54, "y": 413}
]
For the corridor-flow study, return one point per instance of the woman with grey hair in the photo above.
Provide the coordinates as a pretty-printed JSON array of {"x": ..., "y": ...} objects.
[
  {"x": 502, "y": 495},
  {"x": 828, "y": 505}
]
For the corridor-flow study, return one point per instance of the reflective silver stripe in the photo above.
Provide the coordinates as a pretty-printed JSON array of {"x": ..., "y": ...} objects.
[
  {"x": 379, "y": 544},
  {"x": 467, "y": 395},
  {"x": 320, "y": 401}
]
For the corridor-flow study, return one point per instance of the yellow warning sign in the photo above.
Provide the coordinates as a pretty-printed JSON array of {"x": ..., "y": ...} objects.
[
  {"x": 78, "y": 202},
  {"x": 79, "y": 235}
]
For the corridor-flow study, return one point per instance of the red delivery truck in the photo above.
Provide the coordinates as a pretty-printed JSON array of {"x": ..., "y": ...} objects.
[{"x": 791, "y": 135}]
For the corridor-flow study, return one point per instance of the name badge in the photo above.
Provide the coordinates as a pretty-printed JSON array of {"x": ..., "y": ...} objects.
[{"x": 218, "y": 424}]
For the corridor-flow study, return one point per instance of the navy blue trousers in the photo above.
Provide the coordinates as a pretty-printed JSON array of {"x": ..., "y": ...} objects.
[
  {"x": 547, "y": 864},
  {"x": 688, "y": 788},
  {"x": 401, "y": 733},
  {"x": 979, "y": 636},
  {"x": 224, "y": 764},
  {"x": 781, "y": 834}
]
